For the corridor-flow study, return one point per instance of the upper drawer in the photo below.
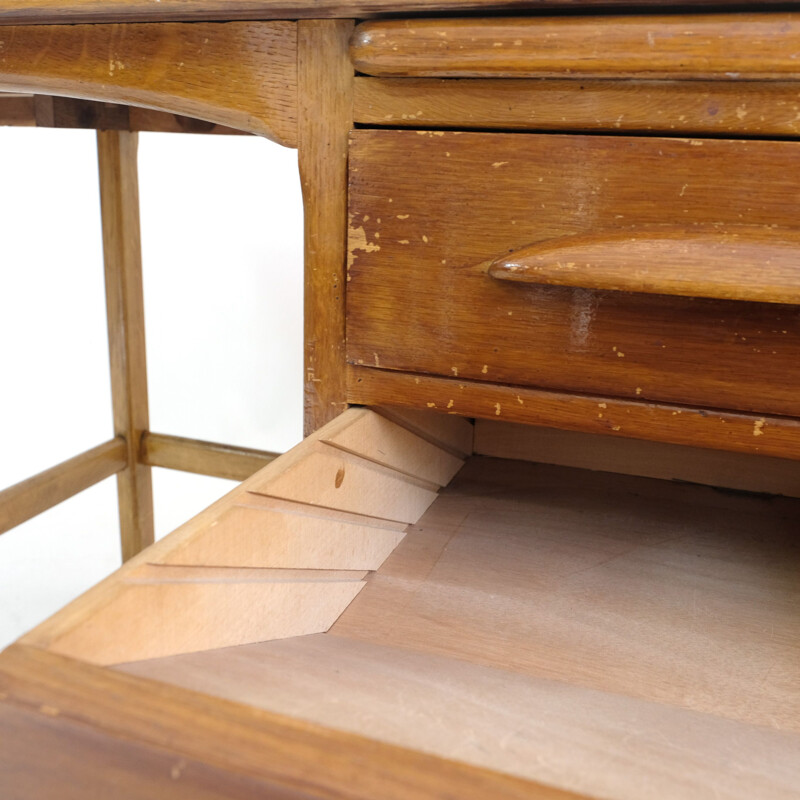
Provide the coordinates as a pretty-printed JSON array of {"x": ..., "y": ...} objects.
[{"x": 420, "y": 298}]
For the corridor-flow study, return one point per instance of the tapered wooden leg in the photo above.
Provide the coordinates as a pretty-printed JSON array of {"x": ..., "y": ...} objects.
[
  {"x": 325, "y": 117},
  {"x": 119, "y": 197}
]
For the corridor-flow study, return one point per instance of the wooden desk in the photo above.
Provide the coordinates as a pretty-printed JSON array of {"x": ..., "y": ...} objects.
[{"x": 562, "y": 239}]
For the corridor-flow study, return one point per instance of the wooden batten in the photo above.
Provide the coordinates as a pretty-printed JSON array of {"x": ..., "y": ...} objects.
[
  {"x": 638, "y": 457},
  {"x": 36, "y": 494},
  {"x": 719, "y": 46},
  {"x": 282, "y": 555},
  {"x": 203, "y": 458},
  {"x": 325, "y": 117},
  {"x": 241, "y": 75},
  {"x": 611, "y": 416},
  {"x": 749, "y": 108}
]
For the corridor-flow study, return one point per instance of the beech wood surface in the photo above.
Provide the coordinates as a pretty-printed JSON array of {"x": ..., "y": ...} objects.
[
  {"x": 241, "y": 75},
  {"x": 122, "y": 252},
  {"x": 142, "y": 738},
  {"x": 736, "y": 263},
  {"x": 743, "y": 108},
  {"x": 603, "y": 414},
  {"x": 551, "y": 622},
  {"x": 419, "y": 298},
  {"x": 36, "y": 494},
  {"x": 707, "y": 46},
  {"x": 648, "y": 459},
  {"x": 352, "y": 487},
  {"x": 325, "y": 86},
  {"x": 70, "y": 11},
  {"x": 203, "y": 458}
]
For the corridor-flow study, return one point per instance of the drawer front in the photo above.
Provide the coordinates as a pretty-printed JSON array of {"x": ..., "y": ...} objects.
[{"x": 429, "y": 209}]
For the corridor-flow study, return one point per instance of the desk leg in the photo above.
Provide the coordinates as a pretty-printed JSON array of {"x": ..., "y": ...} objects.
[
  {"x": 325, "y": 117},
  {"x": 119, "y": 198}
]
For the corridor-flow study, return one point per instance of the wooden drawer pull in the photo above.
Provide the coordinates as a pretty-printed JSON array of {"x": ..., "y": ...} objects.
[{"x": 745, "y": 263}]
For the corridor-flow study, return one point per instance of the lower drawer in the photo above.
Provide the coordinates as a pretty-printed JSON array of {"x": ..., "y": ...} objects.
[
  {"x": 527, "y": 631},
  {"x": 419, "y": 297}
]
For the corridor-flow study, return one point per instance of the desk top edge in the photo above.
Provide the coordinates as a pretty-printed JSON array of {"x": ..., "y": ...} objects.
[{"x": 27, "y": 12}]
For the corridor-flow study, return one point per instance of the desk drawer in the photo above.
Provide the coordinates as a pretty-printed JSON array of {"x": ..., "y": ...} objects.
[{"x": 420, "y": 299}]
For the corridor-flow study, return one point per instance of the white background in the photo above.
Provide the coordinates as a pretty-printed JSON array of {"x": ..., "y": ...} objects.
[{"x": 222, "y": 247}]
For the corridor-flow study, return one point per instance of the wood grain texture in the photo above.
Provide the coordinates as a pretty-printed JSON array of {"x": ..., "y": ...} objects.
[
  {"x": 132, "y": 724},
  {"x": 451, "y": 434},
  {"x": 737, "y": 263},
  {"x": 325, "y": 89},
  {"x": 331, "y": 478},
  {"x": 603, "y": 744},
  {"x": 17, "y": 110},
  {"x": 45, "y": 111},
  {"x": 748, "y": 108},
  {"x": 266, "y": 532},
  {"x": 603, "y": 414},
  {"x": 179, "y": 616},
  {"x": 34, "y": 495},
  {"x": 378, "y": 439},
  {"x": 200, "y": 588},
  {"x": 712, "y": 46},
  {"x": 122, "y": 252},
  {"x": 71, "y": 11},
  {"x": 626, "y": 638},
  {"x": 203, "y": 458},
  {"x": 419, "y": 300},
  {"x": 679, "y": 595},
  {"x": 637, "y": 457},
  {"x": 242, "y": 75}
]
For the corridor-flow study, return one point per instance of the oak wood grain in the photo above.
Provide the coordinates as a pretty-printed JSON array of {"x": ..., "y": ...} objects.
[
  {"x": 744, "y": 108},
  {"x": 71, "y": 11},
  {"x": 727, "y": 263},
  {"x": 122, "y": 252},
  {"x": 241, "y": 75},
  {"x": 419, "y": 298},
  {"x": 203, "y": 458},
  {"x": 34, "y": 495},
  {"x": 325, "y": 85},
  {"x": 603, "y": 414},
  {"x": 283, "y": 757},
  {"x": 711, "y": 46},
  {"x": 17, "y": 110}
]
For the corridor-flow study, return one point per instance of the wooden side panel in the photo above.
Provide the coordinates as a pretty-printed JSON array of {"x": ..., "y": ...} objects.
[
  {"x": 450, "y": 433},
  {"x": 419, "y": 298},
  {"x": 377, "y": 439},
  {"x": 669, "y": 107},
  {"x": 122, "y": 249},
  {"x": 325, "y": 91},
  {"x": 243, "y": 75},
  {"x": 638, "y": 457},
  {"x": 252, "y": 568},
  {"x": 272, "y": 534},
  {"x": 331, "y": 478},
  {"x": 721, "y": 46},
  {"x": 160, "y": 619}
]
